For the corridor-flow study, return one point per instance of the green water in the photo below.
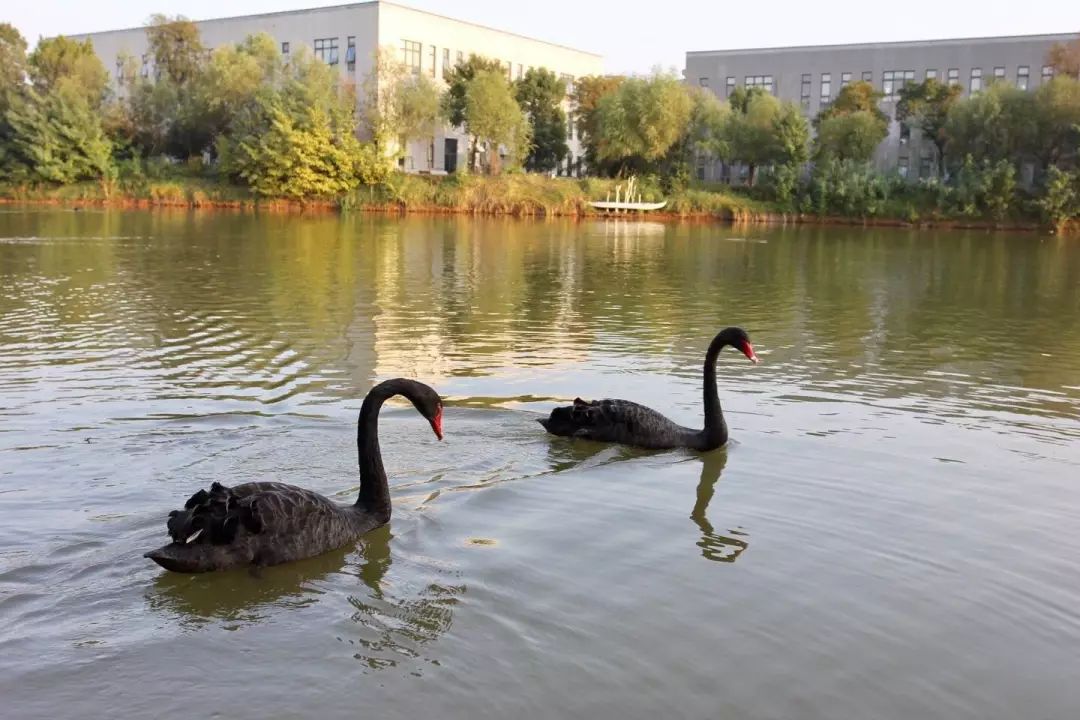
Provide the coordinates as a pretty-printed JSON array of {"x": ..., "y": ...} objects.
[{"x": 894, "y": 531}]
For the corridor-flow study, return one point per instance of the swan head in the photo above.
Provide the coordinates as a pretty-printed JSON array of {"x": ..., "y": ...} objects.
[
  {"x": 738, "y": 338},
  {"x": 428, "y": 403}
]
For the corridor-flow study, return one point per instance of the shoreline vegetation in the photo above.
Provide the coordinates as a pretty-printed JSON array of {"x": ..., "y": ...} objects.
[
  {"x": 511, "y": 195},
  {"x": 244, "y": 127}
]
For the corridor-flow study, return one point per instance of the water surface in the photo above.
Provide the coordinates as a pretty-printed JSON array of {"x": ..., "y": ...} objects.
[{"x": 894, "y": 532}]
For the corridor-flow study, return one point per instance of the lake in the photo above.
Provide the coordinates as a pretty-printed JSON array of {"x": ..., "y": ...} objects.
[{"x": 893, "y": 532}]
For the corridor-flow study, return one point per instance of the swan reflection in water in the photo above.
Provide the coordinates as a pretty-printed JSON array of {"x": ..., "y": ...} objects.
[
  {"x": 714, "y": 546},
  {"x": 390, "y": 626}
]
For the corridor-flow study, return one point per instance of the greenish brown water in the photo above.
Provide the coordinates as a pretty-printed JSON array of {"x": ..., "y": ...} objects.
[{"x": 894, "y": 532}]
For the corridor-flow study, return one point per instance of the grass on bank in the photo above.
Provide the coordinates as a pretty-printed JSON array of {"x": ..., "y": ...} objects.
[
  {"x": 515, "y": 194},
  {"x": 530, "y": 195}
]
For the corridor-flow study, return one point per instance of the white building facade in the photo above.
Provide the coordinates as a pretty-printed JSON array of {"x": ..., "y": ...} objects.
[{"x": 349, "y": 36}]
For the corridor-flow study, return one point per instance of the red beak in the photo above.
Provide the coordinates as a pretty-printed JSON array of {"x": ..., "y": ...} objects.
[
  {"x": 748, "y": 351},
  {"x": 436, "y": 424}
]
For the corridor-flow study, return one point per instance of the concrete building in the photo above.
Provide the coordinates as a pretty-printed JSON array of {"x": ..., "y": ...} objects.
[
  {"x": 348, "y": 36},
  {"x": 812, "y": 77}
]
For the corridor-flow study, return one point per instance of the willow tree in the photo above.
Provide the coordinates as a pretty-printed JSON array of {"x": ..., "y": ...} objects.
[
  {"x": 493, "y": 116},
  {"x": 925, "y": 106},
  {"x": 764, "y": 131},
  {"x": 638, "y": 123},
  {"x": 586, "y": 96},
  {"x": 399, "y": 106}
]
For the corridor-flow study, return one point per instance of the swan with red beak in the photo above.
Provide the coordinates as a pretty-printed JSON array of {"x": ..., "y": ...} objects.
[{"x": 628, "y": 423}]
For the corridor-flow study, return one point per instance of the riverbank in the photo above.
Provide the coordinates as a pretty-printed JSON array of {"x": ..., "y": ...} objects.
[{"x": 516, "y": 195}]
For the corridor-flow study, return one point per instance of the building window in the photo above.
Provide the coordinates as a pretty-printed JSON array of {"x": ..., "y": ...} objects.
[
  {"x": 1047, "y": 73},
  {"x": 326, "y": 50},
  {"x": 804, "y": 92},
  {"x": 569, "y": 126},
  {"x": 350, "y": 54},
  {"x": 1022, "y": 76},
  {"x": 569, "y": 81},
  {"x": 902, "y": 167},
  {"x": 410, "y": 55},
  {"x": 446, "y": 62},
  {"x": 931, "y": 74},
  {"x": 145, "y": 70},
  {"x": 845, "y": 79},
  {"x": 285, "y": 48},
  {"x": 976, "y": 81},
  {"x": 762, "y": 81},
  {"x": 826, "y": 88},
  {"x": 703, "y": 82},
  {"x": 730, "y": 86},
  {"x": 893, "y": 80},
  {"x": 431, "y": 154},
  {"x": 954, "y": 76},
  {"x": 520, "y": 71},
  {"x": 432, "y": 53},
  {"x": 867, "y": 76},
  {"x": 926, "y": 163},
  {"x": 999, "y": 74},
  {"x": 905, "y": 133},
  {"x": 460, "y": 58}
]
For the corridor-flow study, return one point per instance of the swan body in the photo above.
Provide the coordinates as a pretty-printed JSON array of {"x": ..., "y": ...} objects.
[
  {"x": 629, "y": 423},
  {"x": 268, "y": 523}
]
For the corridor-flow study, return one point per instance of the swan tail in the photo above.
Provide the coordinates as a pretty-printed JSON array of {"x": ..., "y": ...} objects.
[
  {"x": 571, "y": 420},
  {"x": 214, "y": 517}
]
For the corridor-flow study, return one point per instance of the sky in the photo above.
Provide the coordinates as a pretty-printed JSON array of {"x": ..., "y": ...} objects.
[{"x": 631, "y": 41}]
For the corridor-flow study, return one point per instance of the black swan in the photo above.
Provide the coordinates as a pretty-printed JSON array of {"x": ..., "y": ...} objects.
[
  {"x": 627, "y": 423},
  {"x": 267, "y": 523}
]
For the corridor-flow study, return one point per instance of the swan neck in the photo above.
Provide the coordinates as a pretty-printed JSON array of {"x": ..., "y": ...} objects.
[
  {"x": 374, "y": 488},
  {"x": 716, "y": 431}
]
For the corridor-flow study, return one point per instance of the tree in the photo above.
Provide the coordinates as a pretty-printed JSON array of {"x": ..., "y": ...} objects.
[
  {"x": 926, "y": 106},
  {"x": 1065, "y": 58},
  {"x": 12, "y": 60},
  {"x": 855, "y": 97},
  {"x": 1061, "y": 200},
  {"x": 852, "y": 136},
  {"x": 57, "y": 137},
  {"x": 852, "y": 126},
  {"x": 398, "y": 105},
  {"x": 297, "y": 154},
  {"x": 177, "y": 48},
  {"x": 540, "y": 94},
  {"x": 493, "y": 116},
  {"x": 1055, "y": 135},
  {"x": 296, "y": 138},
  {"x": 705, "y": 137},
  {"x": 454, "y": 99},
  {"x": 12, "y": 82},
  {"x": 180, "y": 111},
  {"x": 61, "y": 59},
  {"x": 457, "y": 81},
  {"x": 764, "y": 131},
  {"x": 996, "y": 124},
  {"x": 229, "y": 84},
  {"x": 585, "y": 98},
  {"x": 641, "y": 121},
  {"x": 51, "y": 130}
]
